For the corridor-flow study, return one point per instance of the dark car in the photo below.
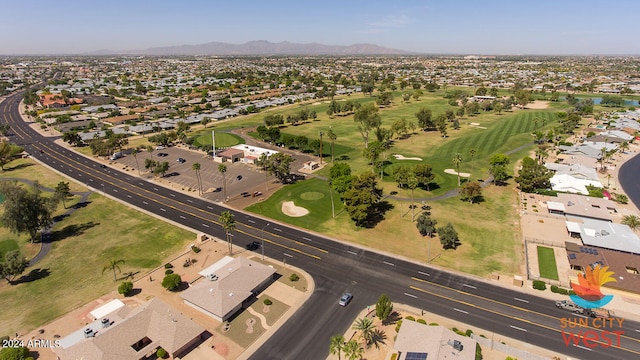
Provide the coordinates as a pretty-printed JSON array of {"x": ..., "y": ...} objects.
[
  {"x": 181, "y": 160},
  {"x": 163, "y": 154},
  {"x": 239, "y": 177},
  {"x": 254, "y": 245}
]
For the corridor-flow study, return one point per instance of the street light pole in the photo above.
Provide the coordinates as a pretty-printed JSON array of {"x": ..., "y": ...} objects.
[{"x": 262, "y": 246}]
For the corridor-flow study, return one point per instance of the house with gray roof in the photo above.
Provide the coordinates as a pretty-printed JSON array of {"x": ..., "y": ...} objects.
[
  {"x": 226, "y": 286},
  {"x": 606, "y": 235},
  {"x": 417, "y": 341},
  {"x": 133, "y": 334}
]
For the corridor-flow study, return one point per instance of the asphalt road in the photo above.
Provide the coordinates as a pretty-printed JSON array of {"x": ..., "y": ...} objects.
[
  {"x": 628, "y": 176},
  {"x": 336, "y": 267}
]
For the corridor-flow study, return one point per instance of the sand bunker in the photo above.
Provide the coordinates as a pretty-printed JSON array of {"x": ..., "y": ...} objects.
[
  {"x": 453, "y": 172},
  {"x": 401, "y": 157},
  {"x": 290, "y": 209},
  {"x": 475, "y": 124},
  {"x": 538, "y": 104}
]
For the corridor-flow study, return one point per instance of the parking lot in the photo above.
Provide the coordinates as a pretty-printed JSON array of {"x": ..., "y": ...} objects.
[{"x": 245, "y": 183}]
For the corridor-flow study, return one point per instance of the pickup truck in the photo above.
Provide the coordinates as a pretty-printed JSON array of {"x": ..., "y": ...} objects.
[
  {"x": 598, "y": 313},
  {"x": 567, "y": 305}
]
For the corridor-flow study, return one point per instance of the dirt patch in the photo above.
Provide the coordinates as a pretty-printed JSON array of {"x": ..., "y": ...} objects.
[
  {"x": 290, "y": 209},
  {"x": 538, "y": 104}
]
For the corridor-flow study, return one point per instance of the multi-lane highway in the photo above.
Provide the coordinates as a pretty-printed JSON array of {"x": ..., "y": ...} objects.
[{"x": 335, "y": 267}]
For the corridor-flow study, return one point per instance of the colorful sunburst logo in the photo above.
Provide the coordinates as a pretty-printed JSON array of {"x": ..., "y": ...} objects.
[{"x": 587, "y": 289}]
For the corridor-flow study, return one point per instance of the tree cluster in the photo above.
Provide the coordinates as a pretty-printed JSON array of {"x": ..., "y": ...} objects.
[
  {"x": 13, "y": 265},
  {"x": 533, "y": 176},
  {"x": 345, "y": 108},
  {"x": 26, "y": 210},
  {"x": 361, "y": 199}
]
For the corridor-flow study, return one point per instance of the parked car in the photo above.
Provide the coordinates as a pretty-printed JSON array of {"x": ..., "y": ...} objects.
[
  {"x": 181, "y": 160},
  {"x": 345, "y": 299},
  {"x": 239, "y": 177},
  {"x": 163, "y": 154},
  {"x": 160, "y": 147}
]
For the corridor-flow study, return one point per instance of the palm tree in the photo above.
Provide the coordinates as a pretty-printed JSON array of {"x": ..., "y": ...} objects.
[
  {"x": 541, "y": 154},
  {"x": 337, "y": 345},
  {"x": 228, "y": 224},
  {"x": 365, "y": 326},
  {"x": 472, "y": 152},
  {"x": 624, "y": 146},
  {"x": 135, "y": 152},
  {"x": 353, "y": 350},
  {"x": 150, "y": 151},
  {"x": 632, "y": 221},
  {"x": 196, "y": 168},
  {"x": 457, "y": 160},
  {"x": 222, "y": 168},
  {"x": 113, "y": 265},
  {"x": 333, "y": 138},
  {"x": 412, "y": 183}
]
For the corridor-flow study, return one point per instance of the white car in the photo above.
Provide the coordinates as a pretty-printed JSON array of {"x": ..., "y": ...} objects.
[
  {"x": 345, "y": 299},
  {"x": 160, "y": 147}
]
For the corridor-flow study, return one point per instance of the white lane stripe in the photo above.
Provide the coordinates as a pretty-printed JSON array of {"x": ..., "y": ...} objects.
[
  {"x": 163, "y": 209},
  {"x": 146, "y": 203},
  {"x": 462, "y": 311},
  {"x": 424, "y": 273},
  {"x": 205, "y": 225},
  {"x": 129, "y": 196},
  {"x": 172, "y": 195},
  {"x": 182, "y": 217},
  {"x": 352, "y": 252},
  {"x": 285, "y": 254},
  {"x": 469, "y": 286},
  {"x": 411, "y": 295},
  {"x": 189, "y": 200},
  {"x": 276, "y": 229},
  {"x": 518, "y": 328},
  {"x": 306, "y": 238},
  {"x": 521, "y": 300},
  {"x": 251, "y": 221},
  {"x": 209, "y": 207},
  {"x": 582, "y": 347},
  {"x": 388, "y": 263}
]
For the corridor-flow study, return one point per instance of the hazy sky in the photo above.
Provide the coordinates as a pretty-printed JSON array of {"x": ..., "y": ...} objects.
[{"x": 427, "y": 26}]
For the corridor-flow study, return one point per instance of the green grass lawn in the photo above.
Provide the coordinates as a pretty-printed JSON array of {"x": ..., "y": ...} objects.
[
  {"x": 6, "y": 246},
  {"x": 312, "y": 194},
  {"x": 71, "y": 274},
  {"x": 222, "y": 139},
  {"x": 547, "y": 263}
]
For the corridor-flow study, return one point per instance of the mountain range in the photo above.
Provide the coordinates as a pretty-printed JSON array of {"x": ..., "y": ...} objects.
[{"x": 260, "y": 47}]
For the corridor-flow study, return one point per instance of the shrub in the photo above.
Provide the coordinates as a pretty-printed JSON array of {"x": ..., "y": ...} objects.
[
  {"x": 168, "y": 266},
  {"x": 294, "y": 277},
  {"x": 410, "y": 318},
  {"x": 168, "y": 271},
  {"x": 433, "y": 324},
  {"x": 125, "y": 288},
  {"x": 267, "y": 302},
  {"x": 398, "y": 324},
  {"x": 539, "y": 285},
  {"x": 559, "y": 290},
  {"x": 195, "y": 249},
  {"x": 422, "y": 321},
  {"x": 171, "y": 282},
  {"x": 468, "y": 333},
  {"x": 161, "y": 353}
]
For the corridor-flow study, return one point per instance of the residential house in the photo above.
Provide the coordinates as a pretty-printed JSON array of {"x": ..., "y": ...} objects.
[
  {"x": 132, "y": 334},
  {"x": 227, "y": 285},
  {"x": 417, "y": 341}
]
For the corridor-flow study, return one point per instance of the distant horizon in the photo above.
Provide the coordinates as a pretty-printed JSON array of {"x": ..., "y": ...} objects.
[
  {"x": 136, "y": 52},
  {"x": 459, "y": 27}
]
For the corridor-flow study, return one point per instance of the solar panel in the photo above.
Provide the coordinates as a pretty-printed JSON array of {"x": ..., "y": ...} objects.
[
  {"x": 572, "y": 256},
  {"x": 595, "y": 252},
  {"x": 416, "y": 356},
  {"x": 581, "y": 249}
]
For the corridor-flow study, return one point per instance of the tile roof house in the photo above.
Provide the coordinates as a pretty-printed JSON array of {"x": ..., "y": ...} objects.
[
  {"x": 133, "y": 334},
  {"x": 226, "y": 286},
  {"x": 418, "y": 341}
]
